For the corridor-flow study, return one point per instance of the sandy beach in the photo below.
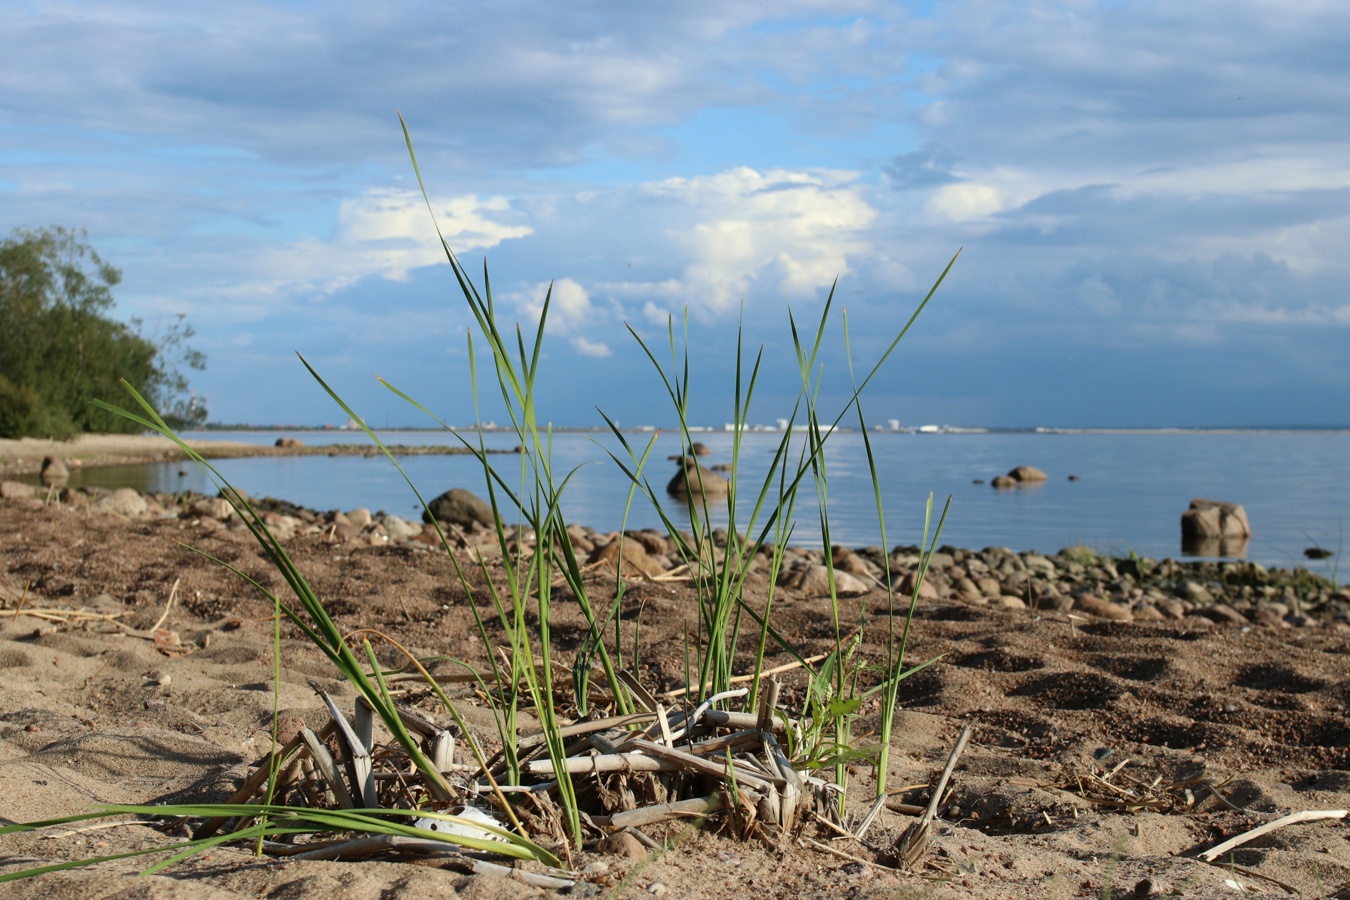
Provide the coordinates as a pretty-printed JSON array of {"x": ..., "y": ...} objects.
[{"x": 1201, "y": 727}]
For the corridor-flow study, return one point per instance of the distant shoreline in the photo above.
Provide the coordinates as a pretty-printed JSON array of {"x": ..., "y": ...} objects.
[
  {"x": 946, "y": 430},
  {"x": 24, "y": 456}
]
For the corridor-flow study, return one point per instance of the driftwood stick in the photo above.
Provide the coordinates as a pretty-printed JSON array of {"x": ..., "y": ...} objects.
[
  {"x": 610, "y": 762},
  {"x": 361, "y": 771},
  {"x": 738, "y": 720},
  {"x": 740, "y": 679},
  {"x": 931, "y": 812},
  {"x": 708, "y": 767},
  {"x": 724, "y": 742},
  {"x": 530, "y": 741},
  {"x": 659, "y": 812},
  {"x": 1307, "y": 815},
  {"x": 318, "y": 752},
  {"x": 255, "y": 781},
  {"x": 767, "y": 704},
  {"x": 913, "y": 843}
]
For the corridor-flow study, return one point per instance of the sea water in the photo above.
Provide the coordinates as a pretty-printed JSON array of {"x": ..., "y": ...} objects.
[{"x": 1128, "y": 495}]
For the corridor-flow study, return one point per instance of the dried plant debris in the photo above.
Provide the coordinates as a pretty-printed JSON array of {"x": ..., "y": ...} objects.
[
  {"x": 1133, "y": 785},
  {"x": 629, "y": 772}
]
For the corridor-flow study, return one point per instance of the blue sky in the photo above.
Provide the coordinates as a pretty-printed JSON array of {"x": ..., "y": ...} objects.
[{"x": 1153, "y": 197}]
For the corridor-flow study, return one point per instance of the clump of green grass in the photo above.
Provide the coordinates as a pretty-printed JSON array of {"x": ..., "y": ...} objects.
[{"x": 535, "y": 553}]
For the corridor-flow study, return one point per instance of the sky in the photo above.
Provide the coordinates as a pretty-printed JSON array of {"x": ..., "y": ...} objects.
[{"x": 1151, "y": 200}]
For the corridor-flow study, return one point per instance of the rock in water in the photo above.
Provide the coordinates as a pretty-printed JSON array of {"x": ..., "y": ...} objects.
[
  {"x": 460, "y": 507},
  {"x": 1214, "y": 528},
  {"x": 54, "y": 472},
  {"x": 694, "y": 480},
  {"x": 1215, "y": 519},
  {"x": 1019, "y": 476},
  {"x": 698, "y": 448}
]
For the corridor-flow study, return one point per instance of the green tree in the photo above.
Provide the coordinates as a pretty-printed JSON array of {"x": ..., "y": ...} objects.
[{"x": 60, "y": 349}]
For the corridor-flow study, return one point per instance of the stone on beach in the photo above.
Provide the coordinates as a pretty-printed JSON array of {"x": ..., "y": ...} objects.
[
  {"x": 459, "y": 507},
  {"x": 635, "y": 558},
  {"x": 121, "y": 502},
  {"x": 814, "y": 581}
]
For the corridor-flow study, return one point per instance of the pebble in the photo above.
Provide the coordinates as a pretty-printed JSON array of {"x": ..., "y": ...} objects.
[
  {"x": 658, "y": 889},
  {"x": 623, "y": 844},
  {"x": 1103, "y": 609}
]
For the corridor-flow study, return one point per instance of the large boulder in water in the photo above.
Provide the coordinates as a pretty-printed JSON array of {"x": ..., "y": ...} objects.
[
  {"x": 54, "y": 472},
  {"x": 1214, "y": 528},
  {"x": 1019, "y": 476},
  {"x": 1215, "y": 519},
  {"x": 694, "y": 480},
  {"x": 459, "y": 507}
]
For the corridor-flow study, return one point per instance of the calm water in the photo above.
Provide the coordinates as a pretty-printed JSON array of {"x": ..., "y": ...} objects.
[{"x": 1131, "y": 491}]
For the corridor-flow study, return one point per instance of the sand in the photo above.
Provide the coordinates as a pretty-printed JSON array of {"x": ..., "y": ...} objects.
[{"x": 90, "y": 713}]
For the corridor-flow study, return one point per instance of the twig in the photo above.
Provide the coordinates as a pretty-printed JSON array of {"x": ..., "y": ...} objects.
[
  {"x": 173, "y": 593},
  {"x": 98, "y": 827},
  {"x": 1307, "y": 815},
  {"x": 849, "y": 856},
  {"x": 739, "y": 679},
  {"x": 530, "y": 741},
  {"x": 913, "y": 843},
  {"x": 659, "y": 812}
]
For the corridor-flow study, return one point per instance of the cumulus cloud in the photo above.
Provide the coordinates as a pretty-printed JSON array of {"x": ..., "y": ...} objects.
[
  {"x": 594, "y": 349},
  {"x": 780, "y": 231},
  {"x": 1149, "y": 172},
  {"x": 387, "y": 233},
  {"x": 570, "y": 313}
]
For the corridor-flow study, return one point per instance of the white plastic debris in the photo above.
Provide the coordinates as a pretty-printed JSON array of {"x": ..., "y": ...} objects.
[{"x": 470, "y": 818}]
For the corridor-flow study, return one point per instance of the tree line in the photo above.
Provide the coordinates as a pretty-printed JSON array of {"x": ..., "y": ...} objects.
[{"x": 60, "y": 347}]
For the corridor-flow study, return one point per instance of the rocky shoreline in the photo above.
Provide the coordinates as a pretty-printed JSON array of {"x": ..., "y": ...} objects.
[{"x": 1076, "y": 581}]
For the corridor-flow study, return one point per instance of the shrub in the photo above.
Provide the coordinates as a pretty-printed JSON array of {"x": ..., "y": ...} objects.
[{"x": 61, "y": 349}]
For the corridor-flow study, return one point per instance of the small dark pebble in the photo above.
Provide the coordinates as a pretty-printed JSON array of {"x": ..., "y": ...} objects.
[
  {"x": 1143, "y": 889},
  {"x": 977, "y": 481},
  {"x": 1102, "y": 753}
]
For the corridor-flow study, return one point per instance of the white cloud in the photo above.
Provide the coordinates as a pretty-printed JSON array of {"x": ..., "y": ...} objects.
[
  {"x": 964, "y": 202},
  {"x": 777, "y": 232},
  {"x": 656, "y": 315},
  {"x": 596, "y": 349},
  {"x": 570, "y": 308},
  {"x": 387, "y": 233}
]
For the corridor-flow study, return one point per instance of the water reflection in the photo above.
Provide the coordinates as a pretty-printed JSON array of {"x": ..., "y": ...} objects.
[{"x": 1216, "y": 547}]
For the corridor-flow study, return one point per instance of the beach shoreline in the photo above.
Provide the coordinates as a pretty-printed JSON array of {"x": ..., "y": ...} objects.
[{"x": 1252, "y": 700}]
